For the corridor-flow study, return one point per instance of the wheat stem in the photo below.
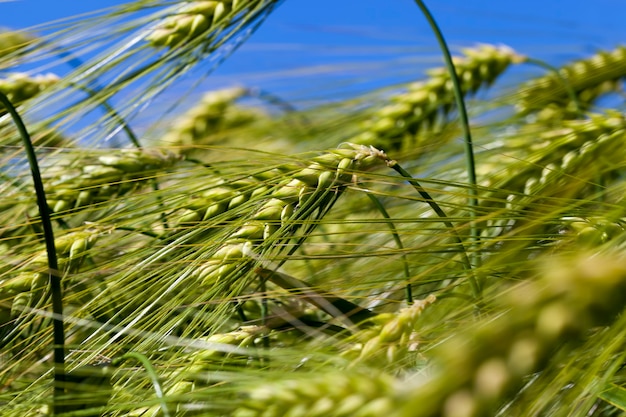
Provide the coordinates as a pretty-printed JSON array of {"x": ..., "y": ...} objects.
[
  {"x": 396, "y": 238},
  {"x": 467, "y": 135},
  {"x": 53, "y": 268},
  {"x": 476, "y": 289},
  {"x": 154, "y": 377}
]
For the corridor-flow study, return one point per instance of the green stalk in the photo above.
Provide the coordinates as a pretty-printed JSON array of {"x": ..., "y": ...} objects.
[
  {"x": 76, "y": 63},
  {"x": 467, "y": 135},
  {"x": 476, "y": 290},
  {"x": 396, "y": 238},
  {"x": 58, "y": 332},
  {"x": 264, "y": 314},
  {"x": 285, "y": 106},
  {"x": 615, "y": 395},
  {"x": 154, "y": 378},
  {"x": 134, "y": 140}
]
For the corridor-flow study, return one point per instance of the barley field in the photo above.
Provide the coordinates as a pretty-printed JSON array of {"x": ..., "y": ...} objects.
[{"x": 454, "y": 246}]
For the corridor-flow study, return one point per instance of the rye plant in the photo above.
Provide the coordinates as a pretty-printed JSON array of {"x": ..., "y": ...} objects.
[{"x": 453, "y": 248}]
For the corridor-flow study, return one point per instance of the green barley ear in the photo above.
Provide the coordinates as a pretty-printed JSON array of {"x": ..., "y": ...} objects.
[
  {"x": 95, "y": 179},
  {"x": 425, "y": 103},
  {"x": 12, "y": 41},
  {"x": 190, "y": 21},
  {"x": 207, "y": 121},
  {"x": 285, "y": 211},
  {"x": 340, "y": 394},
  {"x": 71, "y": 250},
  {"x": 19, "y": 87},
  {"x": 392, "y": 338},
  {"x": 592, "y": 231},
  {"x": 573, "y": 173},
  {"x": 589, "y": 78},
  {"x": 25, "y": 295},
  {"x": 195, "y": 20},
  {"x": 207, "y": 360},
  {"x": 564, "y": 162}
]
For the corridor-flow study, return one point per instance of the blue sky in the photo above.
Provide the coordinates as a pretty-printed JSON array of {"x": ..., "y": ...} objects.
[
  {"x": 532, "y": 21},
  {"x": 340, "y": 46}
]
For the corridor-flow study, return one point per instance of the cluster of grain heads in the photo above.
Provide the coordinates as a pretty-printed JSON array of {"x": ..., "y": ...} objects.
[
  {"x": 219, "y": 200},
  {"x": 479, "y": 368},
  {"x": 591, "y": 231},
  {"x": 563, "y": 163},
  {"x": 12, "y": 41},
  {"x": 391, "y": 338},
  {"x": 288, "y": 207},
  {"x": 215, "y": 113},
  {"x": 72, "y": 247},
  {"x": 86, "y": 182},
  {"x": 26, "y": 289},
  {"x": 580, "y": 168},
  {"x": 19, "y": 87},
  {"x": 336, "y": 394},
  {"x": 426, "y": 102},
  {"x": 548, "y": 146},
  {"x": 197, "y": 19},
  {"x": 202, "y": 362},
  {"x": 588, "y": 78}
]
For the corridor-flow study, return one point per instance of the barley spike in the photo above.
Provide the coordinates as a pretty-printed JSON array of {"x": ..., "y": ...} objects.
[{"x": 426, "y": 102}]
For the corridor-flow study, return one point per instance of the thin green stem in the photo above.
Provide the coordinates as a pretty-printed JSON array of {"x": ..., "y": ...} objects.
[
  {"x": 134, "y": 140},
  {"x": 114, "y": 114},
  {"x": 396, "y": 238},
  {"x": 58, "y": 332},
  {"x": 476, "y": 290},
  {"x": 280, "y": 103},
  {"x": 148, "y": 233},
  {"x": 467, "y": 134},
  {"x": 154, "y": 378},
  {"x": 264, "y": 313},
  {"x": 76, "y": 63}
]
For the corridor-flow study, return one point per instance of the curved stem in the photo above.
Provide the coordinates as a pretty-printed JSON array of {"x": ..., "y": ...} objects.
[
  {"x": 476, "y": 290},
  {"x": 154, "y": 378},
  {"x": 460, "y": 103},
  {"x": 141, "y": 232},
  {"x": 125, "y": 127},
  {"x": 278, "y": 102},
  {"x": 396, "y": 238},
  {"x": 133, "y": 138},
  {"x": 58, "y": 333},
  {"x": 76, "y": 63}
]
